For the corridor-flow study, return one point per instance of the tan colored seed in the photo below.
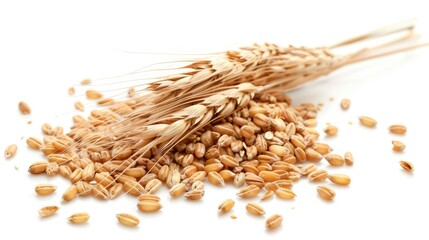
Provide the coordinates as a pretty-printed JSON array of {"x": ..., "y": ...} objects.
[
  {"x": 216, "y": 179},
  {"x": 322, "y": 148},
  {"x": 367, "y": 121},
  {"x": 52, "y": 169},
  {"x": 334, "y": 159},
  {"x": 100, "y": 192},
  {"x": 345, "y": 103},
  {"x": 83, "y": 188},
  {"x": 229, "y": 161},
  {"x": 326, "y": 192},
  {"x": 149, "y": 197},
  {"x": 285, "y": 193},
  {"x": 93, "y": 94},
  {"x": 318, "y": 175},
  {"x": 340, "y": 179},
  {"x": 115, "y": 190},
  {"x": 255, "y": 209},
  {"x": 398, "y": 146},
  {"x": 69, "y": 194},
  {"x": 398, "y": 129},
  {"x": 267, "y": 195},
  {"x": 149, "y": 206},
  {"x": 269, "y": 176},
  {"x": 38, "y": 167},
  {"x": 24, "y": 108},
  {"x": 331, "y": 130},
  {"x": 48, "y": 211},
  {"x": 178, "y": 190},
  {"x": 226, "y": 205},
  {"x": 261, "y": 120},
  {"x": 249, "y": 191},
  {"x": 239, "y": 179},
  {"x": 45, "y": 189},
  {"x": 348, "y": 158},
  {"x": 308, "y": 169},
  {"x": 86, "y": 81},
  {"x": 194, "y": 194},
  {"x": 127, "y": 219},
  {"x": 79, "y": 106},
  {"x": 279, "y": 150},
  {"x": 79, "y": 218},
  {"x": 312, "y": 155},
  {"x": 310, "y": 122},
  {"x": 106, "y": 102},
  {"x": 233, "y": 217},
  {"x": 274, "y": 221},
  {"x": 153, "y": 186},
  {"x": 88, "y": 172},
  {"x": 133, "y": 188},
  {"x": 407, "y": 166},
  {"x": 10, "y": 151},
  {"x": 34, "y": 143}
]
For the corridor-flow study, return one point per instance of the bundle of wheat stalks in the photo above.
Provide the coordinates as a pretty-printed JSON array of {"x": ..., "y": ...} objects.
[{"x": 223, "y": 117}]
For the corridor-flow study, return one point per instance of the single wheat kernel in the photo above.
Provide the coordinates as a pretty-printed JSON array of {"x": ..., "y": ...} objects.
[
  {"x": 348, "y": 158},
  {"x": 178, "y": 190},
  {"x": 115, "y": 190},
  {"x": 38, "y": 167},
  {"x": 249, "y": 191},
  {"x": 93, "y": 94},
  {"x": 86, "y": 81},
  {"x": 407, "y": 166},
  {"x": 24, "y": 108},
  {"x": 10, "y": 151},
  {"x": 45, "y": 189},
  {"x": 340, "y": 179},
  {"x": 127, "y": 219},
  {"x": 345, "y": 103},
  {"x": 255, "y": 209},
  {"x": 318, "y": 175},
  {"x": 274, "y": 221},
  {"x": 216, "y": 179},
  {"x": 334, "y": 159},
  {"x": 226, "y": 205},
  {"x": 194, "y": 194},
  {"x": 71, "y": 91},
  {"x": 367, "y": 121},
  {"x": 79, "y": 106},
  {"x": 149, "y": 197},
  {"x": 326, "y": 192},
  {"x": 267, "y": 195},
  {"x": 398, "y": 146},
  {"x": 149, "y": 206},
  {"x": 285, "y": 193},
  {"x": 398, "y": 129},
  {"x": 79, "y": 218},
  {"x": 69, "y": 194},
  {"x": 34, "y": 143},
  {"x": 48, "y": 211},
  {"x": 331, "y": 130}
]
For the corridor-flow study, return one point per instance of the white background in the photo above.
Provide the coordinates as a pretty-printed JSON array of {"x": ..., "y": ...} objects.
[{"x": 47, "y": 46}]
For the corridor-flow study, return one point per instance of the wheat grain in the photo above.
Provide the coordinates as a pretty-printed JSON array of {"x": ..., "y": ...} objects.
[
  {"x": 10, "y": 151},
  {"x": 48, "y": 211},
  {"x": 79, "y": 218},
  {"x": 274, "y": 221},
  {"x": 127, "y": 219},
  {"x": 407, "y": 166},
  {"x": 24, "y": 108}
]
